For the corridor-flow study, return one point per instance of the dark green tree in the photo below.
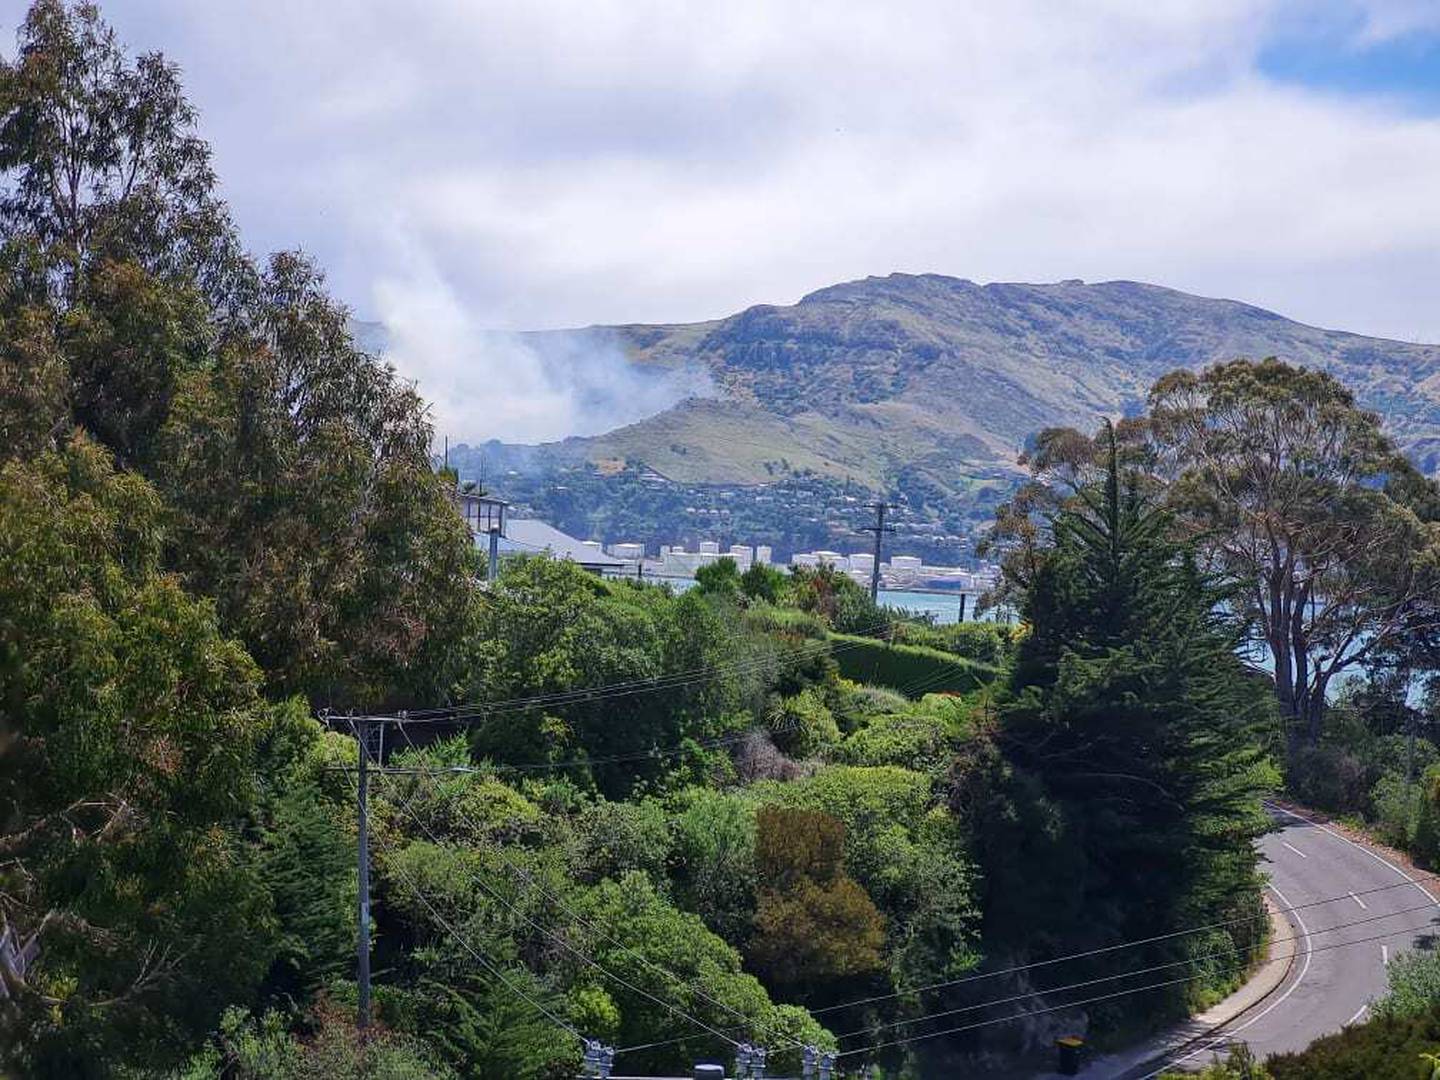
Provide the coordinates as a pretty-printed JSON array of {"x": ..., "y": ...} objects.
[
  {"x": 131, "y": 727},
  {"x": 1135, "y": 715}
]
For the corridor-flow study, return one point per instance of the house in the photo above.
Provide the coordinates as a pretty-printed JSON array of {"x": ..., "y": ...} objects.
[{"x": 531, "y": 536}]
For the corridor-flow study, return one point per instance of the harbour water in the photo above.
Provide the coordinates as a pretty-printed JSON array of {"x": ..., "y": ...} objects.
[{"x": 943, "y": 607}]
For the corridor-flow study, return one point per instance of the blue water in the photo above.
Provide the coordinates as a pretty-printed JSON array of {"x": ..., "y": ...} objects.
[{"x": 942, "y": 607}]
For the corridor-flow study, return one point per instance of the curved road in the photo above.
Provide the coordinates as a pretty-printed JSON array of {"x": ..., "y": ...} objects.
[{"x": 1380, "y": 910}]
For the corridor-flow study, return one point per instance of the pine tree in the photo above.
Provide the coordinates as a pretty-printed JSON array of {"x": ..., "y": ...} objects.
[{"x": 1132, "y": 710}]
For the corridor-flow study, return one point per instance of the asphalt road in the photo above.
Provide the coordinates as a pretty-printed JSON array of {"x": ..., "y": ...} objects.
[{"x": 1373, "y": 910}]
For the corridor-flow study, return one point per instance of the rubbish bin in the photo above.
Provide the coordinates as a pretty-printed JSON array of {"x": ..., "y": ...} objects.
[{"x": 1070, "y": 1048}]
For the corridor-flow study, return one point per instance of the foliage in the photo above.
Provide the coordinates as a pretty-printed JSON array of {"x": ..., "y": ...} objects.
[
  {"x": 1239, "y": 1064},
  {"x": 1412, "y": 986},
  {"x": 295, "y": 469},
  {"x": 1130, "y": 708},
  {"x": 548, "y": 627},
  {"x": 132, "y": 724},
  {"x": 835, "y": 597},
  {"x": 911, "y": 669},
  {"x": 714, "y": 862},
  {"x": 261, "y": 1048},
  {"x": 802, "y": 725},
  {"x": 814, "y": 925},
  {"x": 761, "y": 581},
  {"x": 985, "y": 642},
  {"x": 1387, "y": 1048},
  {"x": 719, "y": 578},
  {"x": 1297, "y": 495}
]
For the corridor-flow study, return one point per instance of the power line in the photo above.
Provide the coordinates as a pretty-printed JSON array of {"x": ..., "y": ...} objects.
[
  {"x": 1104, "y": 949},
  {"x": 1233, "y": 951},
  {"x": 644, "y": 685},
  {"x": 577, "y": 953},
  {"x": 530, "y": 880},
  {"x": 1092, "y": 1000},
  {"x": 485, "y": 962}
]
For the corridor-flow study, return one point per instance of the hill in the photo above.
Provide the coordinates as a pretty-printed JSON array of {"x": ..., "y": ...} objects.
[{"x": 937, "y": 375}]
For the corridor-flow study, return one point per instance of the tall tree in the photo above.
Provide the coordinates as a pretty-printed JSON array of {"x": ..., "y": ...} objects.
[
  {"x": 295, "y": 468},
  {"x": 105, "y": 160},
  {"x": 1298, "y": 496},
  {"x": 129, "y": 727},
  {"x": 1132, "y": 710}
]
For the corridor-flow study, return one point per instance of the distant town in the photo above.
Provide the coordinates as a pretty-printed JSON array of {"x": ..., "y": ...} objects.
[{"x": 907, "y": 572}]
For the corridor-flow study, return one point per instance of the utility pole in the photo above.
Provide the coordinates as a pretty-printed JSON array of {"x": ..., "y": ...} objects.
[
  {"x": 362, "y": 945},
  {"x": 879, "y": 529}
]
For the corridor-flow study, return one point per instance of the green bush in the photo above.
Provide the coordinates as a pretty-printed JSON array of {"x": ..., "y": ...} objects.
[
  {"x": 1412, "y": 986},
  {"x": 1393, "y": 803},
  {"x": 1387, "y": 1048},
  {"x": 1328, "y": 778},
  {"x": 987, "y": 642},
  {"x": 911, "y": 669},
  {"x": 915, "y": 739},
  {"x": 802, "y": 726}
]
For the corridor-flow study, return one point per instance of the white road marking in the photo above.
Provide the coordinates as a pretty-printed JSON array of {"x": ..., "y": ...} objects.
[
  {"x": 1363, "y": 906},
  {"x": 1305, "y": 937},
  {"x": 1384, "y": 957},
  {"x": 1358, "y": 1014},
  {"x": 1296, "y": 850},
  {"x": 1359, "y": 847}
]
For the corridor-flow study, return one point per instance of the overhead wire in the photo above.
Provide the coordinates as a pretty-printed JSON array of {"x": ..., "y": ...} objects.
[
  {"x": 648, "y": 684},
  {"x": 579, "y": 954},
  {"x": 1103, "y": 997},
  {"x": 1104, "y": 949},
  {"x": 580, "y": 920},
  {"x": 1233, "y": 951},
  {"x": 475, "y": 953}
]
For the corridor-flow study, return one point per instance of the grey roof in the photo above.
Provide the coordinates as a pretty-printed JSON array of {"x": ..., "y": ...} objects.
[{"x": 529, "y": 536}]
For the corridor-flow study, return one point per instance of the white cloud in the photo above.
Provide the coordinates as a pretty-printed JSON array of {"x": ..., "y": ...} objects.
[{"x": 563, "y": 162}]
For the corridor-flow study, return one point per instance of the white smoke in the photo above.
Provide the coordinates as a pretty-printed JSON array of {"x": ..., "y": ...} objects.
[{"x": 524, "y": 388}]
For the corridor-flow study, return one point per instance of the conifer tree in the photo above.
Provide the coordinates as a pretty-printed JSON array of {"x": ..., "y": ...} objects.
[{"x": 1133, "y": 711}]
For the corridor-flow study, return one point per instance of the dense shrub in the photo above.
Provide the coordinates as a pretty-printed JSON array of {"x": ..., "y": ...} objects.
[
  {"x": 987, "y": 642},
  {"x": 1328, "y": 777},
  {"x": 911, "y": 669},
  {"x": 1388, "y": 1048}
]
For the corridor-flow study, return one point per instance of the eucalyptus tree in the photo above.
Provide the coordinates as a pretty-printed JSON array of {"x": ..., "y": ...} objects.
[
  {"x": 295, "y": 468},
  {"x": 1298, "y": 496}
]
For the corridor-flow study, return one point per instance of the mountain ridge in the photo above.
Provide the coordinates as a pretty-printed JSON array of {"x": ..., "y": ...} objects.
[{"x": 868, "y": 378}]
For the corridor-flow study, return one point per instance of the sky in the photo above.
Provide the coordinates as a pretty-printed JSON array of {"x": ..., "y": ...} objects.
[{"x": 463, "y": 166}]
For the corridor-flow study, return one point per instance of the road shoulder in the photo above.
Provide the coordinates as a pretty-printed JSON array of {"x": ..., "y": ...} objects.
[{"x": 1191, "y": 1036}]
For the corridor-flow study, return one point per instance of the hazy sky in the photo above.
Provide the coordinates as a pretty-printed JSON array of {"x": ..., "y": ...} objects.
[{"x": 537, "y": 163}]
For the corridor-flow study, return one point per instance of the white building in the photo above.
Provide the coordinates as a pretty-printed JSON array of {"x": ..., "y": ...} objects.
[
  {"x": 863, "y": 561},
  {"x": 805, "y": 558},
  {"x": 742, "y": 555},
  {"x": 833, "y": 558},
  {"x": 905, "y": 563},
  {"x": 763, "y": 554},
  {"x": 709, "y": 547},
  {"x": 630, "y": 552}
]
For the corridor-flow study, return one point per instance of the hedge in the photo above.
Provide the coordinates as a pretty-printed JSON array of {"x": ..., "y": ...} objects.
[
  {"x": 1385, "y": 1049},
  {"x": 912, "y": 669}
]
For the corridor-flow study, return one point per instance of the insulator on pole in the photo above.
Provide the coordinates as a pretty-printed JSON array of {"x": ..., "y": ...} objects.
[
  {"x": 807, "y": 1063},
  {"x": 742, "y": 1061},
  {"x": 827, "y": 1065}
]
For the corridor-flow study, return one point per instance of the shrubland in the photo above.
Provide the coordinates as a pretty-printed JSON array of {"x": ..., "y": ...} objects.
[{"x": 762, "y": 809}]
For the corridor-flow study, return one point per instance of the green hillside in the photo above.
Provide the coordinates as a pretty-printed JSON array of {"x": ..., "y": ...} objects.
[{"x": 946, "y": 377}]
